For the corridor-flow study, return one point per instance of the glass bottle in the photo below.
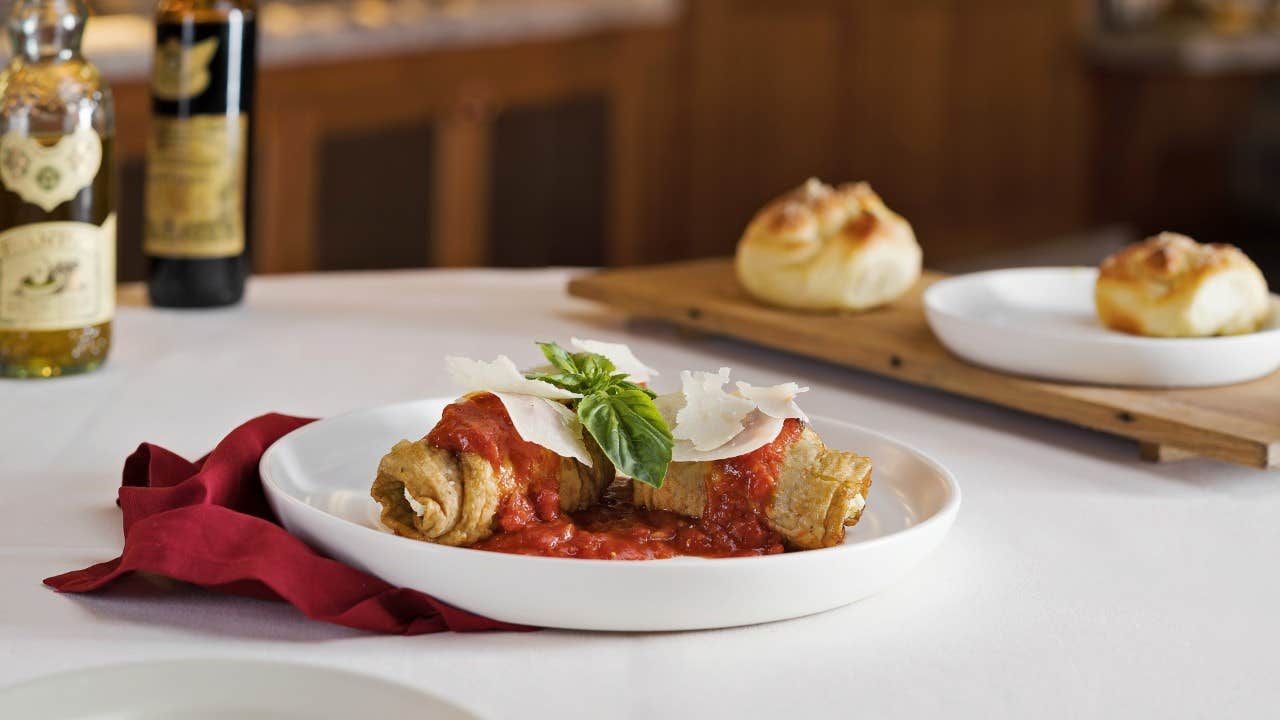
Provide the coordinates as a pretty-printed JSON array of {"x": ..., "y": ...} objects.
[
  {"x": 57, "y": 203},
  {"x": 199, "y": 161}
]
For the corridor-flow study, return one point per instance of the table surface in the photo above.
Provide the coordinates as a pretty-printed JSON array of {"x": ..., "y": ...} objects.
[{"x": 1077, "y": 581}]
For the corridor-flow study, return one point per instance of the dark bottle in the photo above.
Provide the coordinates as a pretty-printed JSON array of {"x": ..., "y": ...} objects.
[{"x": 199, "y": 161}]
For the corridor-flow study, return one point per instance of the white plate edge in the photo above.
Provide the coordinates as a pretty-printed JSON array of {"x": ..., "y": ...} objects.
[{"x": 932, "y": 304}]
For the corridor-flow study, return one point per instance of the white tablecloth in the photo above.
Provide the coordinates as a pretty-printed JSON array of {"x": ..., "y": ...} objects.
[{"x": 1077, "y": 582}]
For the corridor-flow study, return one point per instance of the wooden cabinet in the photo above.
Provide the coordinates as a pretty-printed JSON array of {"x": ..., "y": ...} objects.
[
  {"x": 979, "y": 120},
  {"x": 528, "y": 153},
  {"x": 969, "y": 116}
]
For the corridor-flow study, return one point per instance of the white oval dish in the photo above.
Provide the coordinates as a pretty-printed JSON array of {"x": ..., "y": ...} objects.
[
  {"x": 317, "y": 480},
  {"x": 1042, "y": 322},
  {"x": 232, "y": 688}
]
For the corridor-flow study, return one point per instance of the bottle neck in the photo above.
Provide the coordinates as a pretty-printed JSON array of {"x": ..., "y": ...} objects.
[{"x": 47, "y": 29}]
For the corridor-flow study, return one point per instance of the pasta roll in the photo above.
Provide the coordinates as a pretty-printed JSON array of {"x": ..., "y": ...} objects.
[
  {"x": 473, "y": 475},
  {"x": 799, "y": 488}
]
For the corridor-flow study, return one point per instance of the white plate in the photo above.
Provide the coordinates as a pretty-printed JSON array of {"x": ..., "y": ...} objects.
[
  {"x": 317, "y": 480},
  {"x": 200, "y": 689},
  {"x": 1042, "y": 322}
]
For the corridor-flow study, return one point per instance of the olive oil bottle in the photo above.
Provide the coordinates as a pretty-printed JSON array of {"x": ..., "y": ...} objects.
[
  {"x": 199, "y": 159},
  {"x": 57, "y": 208}
]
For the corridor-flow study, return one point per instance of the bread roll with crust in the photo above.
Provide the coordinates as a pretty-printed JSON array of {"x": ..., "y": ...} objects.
[
  {"x": 1172, "y": 286},
  {"x": 825, "y": 248}
]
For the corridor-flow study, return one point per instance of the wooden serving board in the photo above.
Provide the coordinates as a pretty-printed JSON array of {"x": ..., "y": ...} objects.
[{"x": 1237, "y": 423}]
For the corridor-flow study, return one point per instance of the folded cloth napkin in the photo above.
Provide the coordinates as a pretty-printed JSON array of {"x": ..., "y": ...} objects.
[{"x": 208, "y": 523}]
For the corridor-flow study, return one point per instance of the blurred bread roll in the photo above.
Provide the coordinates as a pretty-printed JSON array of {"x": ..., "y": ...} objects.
[
  {"x": 1172, "y": 286},
  {"x": 825, "y": 248}
]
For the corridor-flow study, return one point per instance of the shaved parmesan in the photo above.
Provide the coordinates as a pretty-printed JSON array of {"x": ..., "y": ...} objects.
[
  {"x": 620, "y": 355},
  {"x": 710, "y": 416},
  {"x": 669, "y": 406},
  {"x": 758, "y": 430},
  {"x": 711, "y": 424},
  {"x": 531, "y": 404},
  {"x": 500, "y": 376},
  {"x": 777, "y": 401},
  {"x": 547, "y": 423}
]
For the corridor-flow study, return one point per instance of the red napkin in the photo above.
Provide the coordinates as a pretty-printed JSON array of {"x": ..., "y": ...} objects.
[{"x": 208, "y": 523}]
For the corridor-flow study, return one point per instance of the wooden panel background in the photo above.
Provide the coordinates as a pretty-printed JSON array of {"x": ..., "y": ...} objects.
[
  {"x": 458, "y": 96},
  {"x": 970, "y": 117},
  {"x": 979, "y": 120}
]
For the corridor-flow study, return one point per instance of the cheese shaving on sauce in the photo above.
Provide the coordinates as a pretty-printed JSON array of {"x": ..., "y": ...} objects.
[
  {"x": 547, "y": 423},
  {"x": 620, "y": 355},
  {"x": 736, "y": 424},
  {"x": 501, "y": 375},
  {"x": 531, "y": 404},
  {"x": 777, "y": 401},
  {"x": 710, "y": 416}
]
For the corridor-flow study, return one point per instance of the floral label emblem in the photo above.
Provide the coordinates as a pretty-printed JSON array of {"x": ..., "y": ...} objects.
[
  {"x": 57, "y": 275},
  {"x": 49, "y": 175},
  {"x": 181, "y": 73}
]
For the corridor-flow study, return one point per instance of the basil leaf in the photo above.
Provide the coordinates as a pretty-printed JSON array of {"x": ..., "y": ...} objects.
[
  {"x": 567, "y": 381},
  {"x": 628, "y": 385},
  {"x": 597, "y": 368},
  {"x": 559, "y": 357},
  {"x": 630, "y": 430}
]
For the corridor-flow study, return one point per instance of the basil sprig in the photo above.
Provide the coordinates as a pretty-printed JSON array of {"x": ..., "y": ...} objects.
[{"x": 618, "y": 413}]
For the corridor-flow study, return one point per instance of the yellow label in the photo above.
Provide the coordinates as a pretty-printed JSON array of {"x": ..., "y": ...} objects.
[
  {"x": 57, "y": 275},
  {"x": 195, "y": 186},
  {"x": 182, "y": 72},
  {"x": 49, "y": 175}
]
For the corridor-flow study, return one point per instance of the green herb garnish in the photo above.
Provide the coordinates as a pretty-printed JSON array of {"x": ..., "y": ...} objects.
[{"x": 618, "y": 413}]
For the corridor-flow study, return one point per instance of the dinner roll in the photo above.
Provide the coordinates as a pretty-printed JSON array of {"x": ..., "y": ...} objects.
[
  {"x": 1172, "y": 286},
  {"x": 825, "y": 248}
]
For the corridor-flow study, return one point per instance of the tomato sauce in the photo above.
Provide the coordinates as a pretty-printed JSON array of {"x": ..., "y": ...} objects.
[
  {"x": 479, "y": 424},
  {"x": 529, "y": 520},
  {"x": 739, "y": 492}
]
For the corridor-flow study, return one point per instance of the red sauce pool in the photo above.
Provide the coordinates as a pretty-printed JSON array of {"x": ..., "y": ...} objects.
[{"x": 529, "y": 520}]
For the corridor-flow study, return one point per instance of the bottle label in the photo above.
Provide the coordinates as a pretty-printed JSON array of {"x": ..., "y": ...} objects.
[
  {"x": 195, "y": 186},
  {"x": 48, "y": 175},
  {"x": 181, "y": 72},
  {"x": 57, "y": 275}
]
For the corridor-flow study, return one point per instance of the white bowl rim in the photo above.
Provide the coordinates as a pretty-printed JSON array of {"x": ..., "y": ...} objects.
[
  {"x": 943, "y": 516},
  {"x": 933, "y": 304}
]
